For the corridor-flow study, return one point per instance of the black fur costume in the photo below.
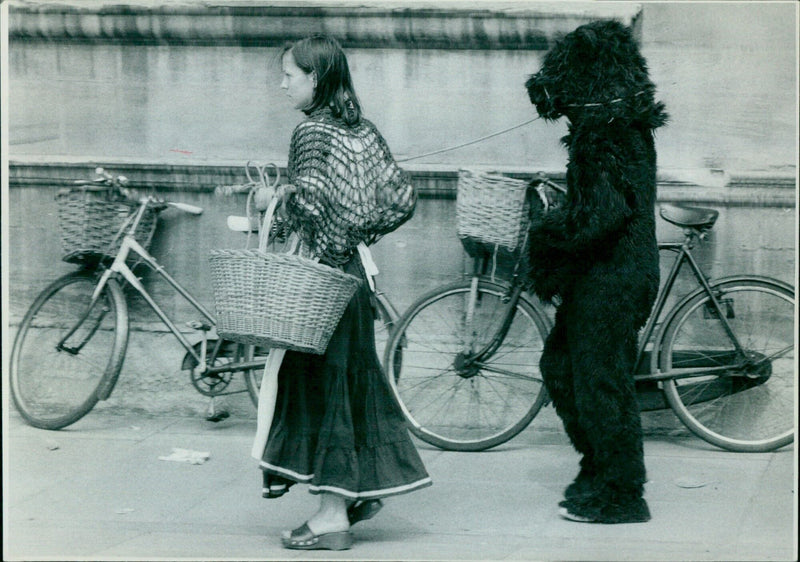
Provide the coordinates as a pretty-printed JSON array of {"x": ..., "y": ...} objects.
[{"x": 597, "y": 253}]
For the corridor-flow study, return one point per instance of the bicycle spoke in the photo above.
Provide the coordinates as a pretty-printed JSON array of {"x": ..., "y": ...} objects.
[
  {"x": 452, "y": 400},
  {"x": 64, "y": 349},
  {"x": 779, "y": 353},
  {"x": 749, "y": 405},
  {"x": 506, "y": 373}
]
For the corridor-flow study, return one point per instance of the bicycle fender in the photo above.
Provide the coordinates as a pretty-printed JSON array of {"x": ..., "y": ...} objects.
[
  {"x": 659, "y": 335},
  {"x": 189, "y": 362},
  {"x": 762, "y": 278},
  {"x": 537, "y": 304},
  {"x": 111, "y": 376}
]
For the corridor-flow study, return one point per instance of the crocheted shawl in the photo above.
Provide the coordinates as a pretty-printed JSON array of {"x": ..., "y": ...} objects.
[{"x": 349, "y": 188}]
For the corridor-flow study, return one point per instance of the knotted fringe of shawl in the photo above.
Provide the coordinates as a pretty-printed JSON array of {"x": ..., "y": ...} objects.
[{"x": 349, "y": 187}]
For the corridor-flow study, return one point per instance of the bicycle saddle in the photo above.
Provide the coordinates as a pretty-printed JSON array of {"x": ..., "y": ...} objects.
[{"x": 689, "y": 217}]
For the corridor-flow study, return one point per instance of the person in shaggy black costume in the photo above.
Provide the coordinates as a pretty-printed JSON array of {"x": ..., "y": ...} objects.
[{"x": 595, "y": 255}]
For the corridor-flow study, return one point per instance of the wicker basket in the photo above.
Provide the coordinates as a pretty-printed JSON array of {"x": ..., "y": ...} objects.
[
  {"x": 278, "y": 300},
  {"x": 492, "y": 210},
  {"x": 91, "y": 225}
]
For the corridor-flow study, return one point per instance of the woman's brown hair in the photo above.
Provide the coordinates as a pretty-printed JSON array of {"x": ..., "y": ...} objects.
[{"x": 323, "y": 56}]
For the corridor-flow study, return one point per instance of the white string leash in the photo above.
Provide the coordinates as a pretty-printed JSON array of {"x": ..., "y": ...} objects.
[
  {"x": 468, "y": 143},
  {"x": 509, "y": 129}
]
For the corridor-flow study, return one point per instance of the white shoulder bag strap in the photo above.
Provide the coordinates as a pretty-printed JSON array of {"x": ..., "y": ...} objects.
[{"x": 268, "y": 393}]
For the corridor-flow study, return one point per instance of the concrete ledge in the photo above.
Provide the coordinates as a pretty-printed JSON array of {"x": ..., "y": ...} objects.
[
  {"x": 428, "y": 25},
  {"x": 759, "y": 189}
]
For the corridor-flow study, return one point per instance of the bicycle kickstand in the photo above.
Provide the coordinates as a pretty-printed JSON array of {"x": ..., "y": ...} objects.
[{"x": 214, "y": 415}]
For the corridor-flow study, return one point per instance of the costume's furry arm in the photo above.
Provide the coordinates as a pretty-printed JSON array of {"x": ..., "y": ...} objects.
[{"x": 595, "y": 211}]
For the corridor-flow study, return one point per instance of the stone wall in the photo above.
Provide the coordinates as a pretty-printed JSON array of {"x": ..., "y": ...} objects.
[
  {"x": 177, "y": 95},
  {"x": 196, "y": 83},
  {"x": 416, "y": 25}
]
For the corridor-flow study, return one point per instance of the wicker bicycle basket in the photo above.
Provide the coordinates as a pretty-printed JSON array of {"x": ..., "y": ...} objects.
[
  {"x": 278, "y": 300},
  {"x": 491, "y": 210},
  {"x": 92, "y": 225}
]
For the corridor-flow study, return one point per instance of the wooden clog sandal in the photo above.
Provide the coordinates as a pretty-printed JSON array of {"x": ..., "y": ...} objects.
[{"x": 303, "y": 538}]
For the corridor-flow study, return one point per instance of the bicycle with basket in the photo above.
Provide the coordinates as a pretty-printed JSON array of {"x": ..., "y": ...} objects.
[
  {"x": 71, "y": 344},
  {"x": 722, "y": 358}
]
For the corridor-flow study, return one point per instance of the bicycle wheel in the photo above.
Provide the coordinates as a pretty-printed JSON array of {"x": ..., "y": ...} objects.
[
  {"x": 748, "y": 406},
  {"x": 383, "y": 325},
  {"x": 456, "y": 404},
  {"x": 66, "y": 348}
]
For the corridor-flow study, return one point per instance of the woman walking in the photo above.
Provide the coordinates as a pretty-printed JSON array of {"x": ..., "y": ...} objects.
[{"x": 336, "y": 426}]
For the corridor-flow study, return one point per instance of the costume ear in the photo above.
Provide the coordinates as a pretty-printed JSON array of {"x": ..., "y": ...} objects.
[{"x": 587, "y": 36}]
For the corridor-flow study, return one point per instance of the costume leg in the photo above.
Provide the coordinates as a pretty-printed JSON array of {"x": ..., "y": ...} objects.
[
  {"x": 602, "y": 342},
  {"x": 558, "y": 378}
]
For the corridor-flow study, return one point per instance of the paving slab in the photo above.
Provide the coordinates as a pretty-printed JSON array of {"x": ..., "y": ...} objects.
[{"x": 98, "y": 491}]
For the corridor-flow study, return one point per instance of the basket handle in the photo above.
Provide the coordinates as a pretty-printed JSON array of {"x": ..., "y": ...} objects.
[
  {"x": 262, "y": 174},
  {"x": 263, "y": 237},
  {"x": 294, "y": 243}
]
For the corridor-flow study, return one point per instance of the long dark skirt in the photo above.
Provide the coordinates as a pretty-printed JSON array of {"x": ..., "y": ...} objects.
[{"x": 336, "y": 426}]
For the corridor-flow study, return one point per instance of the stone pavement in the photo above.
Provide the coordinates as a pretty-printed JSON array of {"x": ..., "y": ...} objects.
[{"x": 98, "y": 490}]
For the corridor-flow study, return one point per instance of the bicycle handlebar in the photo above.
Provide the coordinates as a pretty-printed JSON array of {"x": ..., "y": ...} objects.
[
  {"x": 231, "y": 189},
  {"x": 542, "y": 178},
  {"x": 257, "y": 176},
  {"x": 105, "y": 181},
  {"x": 159, "y": 204},
  {"x": 185, "y": 207}
]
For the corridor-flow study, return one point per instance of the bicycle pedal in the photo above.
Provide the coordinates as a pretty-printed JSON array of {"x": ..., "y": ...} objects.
[
  {"x": 199, "y": 325},
  {"x": 218, "y": 416}
]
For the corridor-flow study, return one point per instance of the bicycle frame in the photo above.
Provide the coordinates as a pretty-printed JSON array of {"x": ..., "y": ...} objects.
[
  {"x": 515, "y": 292},
  {"x": 684, "y": 255},
  {"x": 120, "y": 267}
]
